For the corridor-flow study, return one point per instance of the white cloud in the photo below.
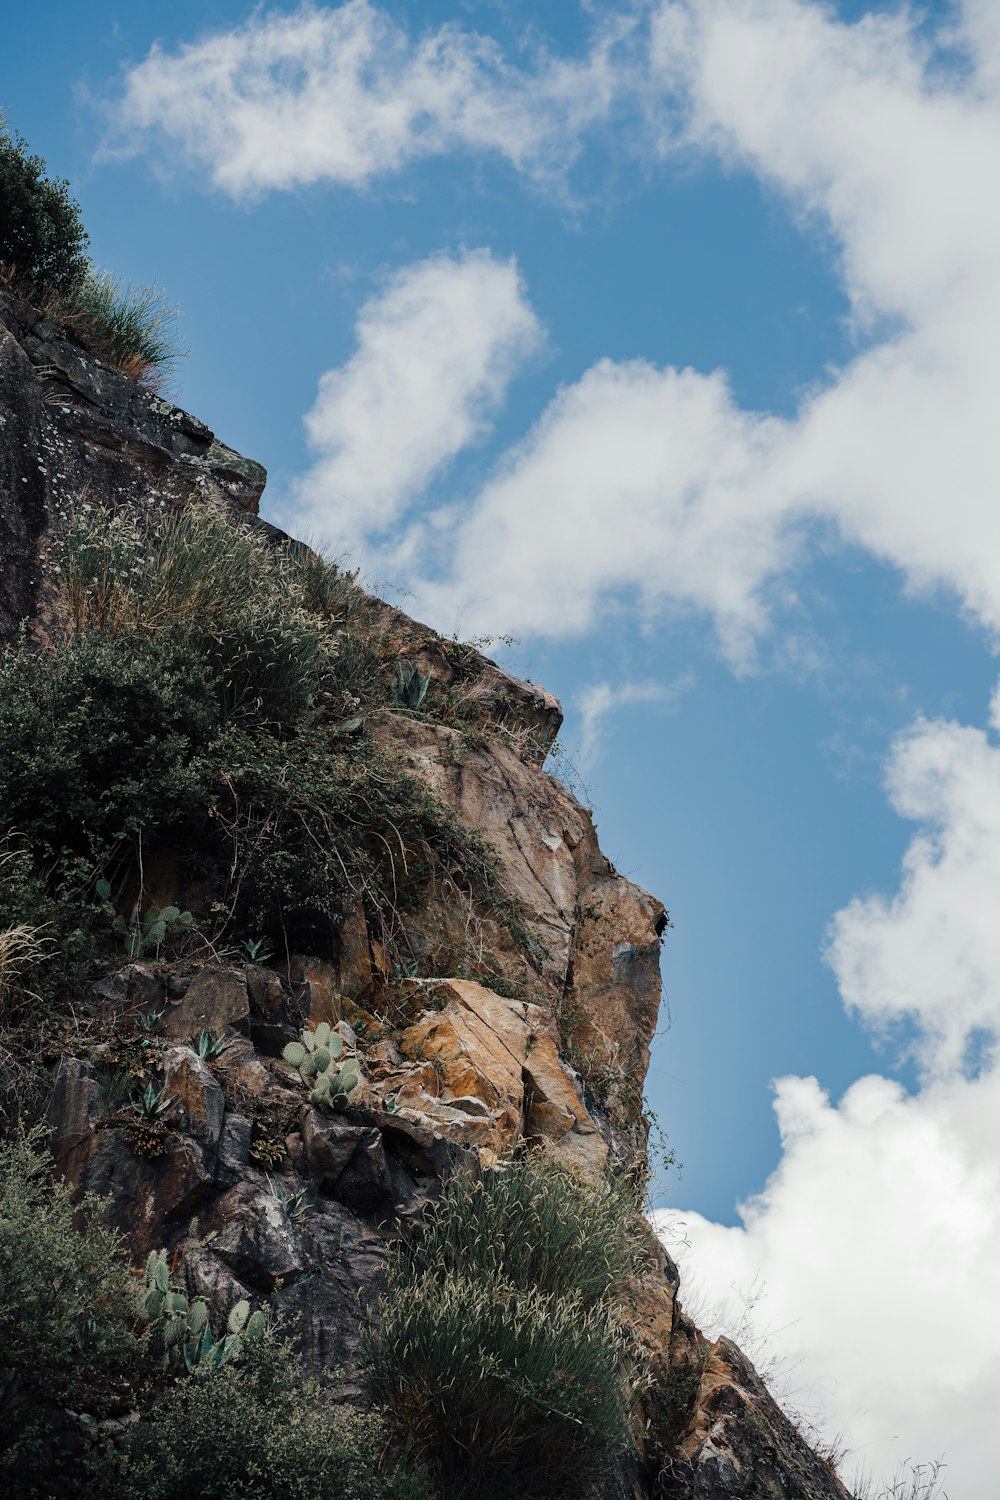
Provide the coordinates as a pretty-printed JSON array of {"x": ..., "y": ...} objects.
[
  {"x": 877, "y": 1234},
  {"x": 341, "y": 94},
  {"x": 947, "y": 776},
  {"x": 599, "y": 699},
  {"x": 436, "y": 349},
  {"x": 654, "y": 485}
]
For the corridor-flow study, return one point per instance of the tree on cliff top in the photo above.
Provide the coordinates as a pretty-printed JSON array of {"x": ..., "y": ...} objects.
[{"x": 42, "y": 238}]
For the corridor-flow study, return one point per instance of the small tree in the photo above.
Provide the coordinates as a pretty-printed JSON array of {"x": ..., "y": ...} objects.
[{"x": 42, "y": 238}]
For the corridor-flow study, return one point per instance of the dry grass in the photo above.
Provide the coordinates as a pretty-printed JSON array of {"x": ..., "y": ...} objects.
[{"x": 21, "y": 947}]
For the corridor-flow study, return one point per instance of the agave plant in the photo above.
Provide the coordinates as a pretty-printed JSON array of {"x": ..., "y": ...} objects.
[
  {"x": 152, "y": 1104},
  {"x": 208, "y": 1046},
  {"x": 412, "y": 687}
]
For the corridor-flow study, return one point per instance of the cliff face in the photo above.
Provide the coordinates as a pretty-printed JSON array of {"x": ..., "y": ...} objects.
[{"x": 552, "y": 1050}]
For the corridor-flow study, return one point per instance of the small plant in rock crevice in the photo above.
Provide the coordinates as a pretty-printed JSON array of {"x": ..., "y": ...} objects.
[
  {"x": 412, "y": 687},
  {"x": 151, "y": 1105},
  {"x": 208, "y": 1046}
]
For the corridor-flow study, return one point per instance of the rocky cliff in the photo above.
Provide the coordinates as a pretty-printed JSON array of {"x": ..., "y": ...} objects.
[{"x": 537, "y": 1036}]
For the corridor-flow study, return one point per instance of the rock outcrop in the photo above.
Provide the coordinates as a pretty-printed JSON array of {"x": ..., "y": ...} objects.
[{"x": 255, "y": 1191}]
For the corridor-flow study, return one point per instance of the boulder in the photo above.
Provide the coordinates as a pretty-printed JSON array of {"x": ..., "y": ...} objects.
[
  {"x": 198, "y": 1104},
  {"x": 249, "y": 1231},
  {"x": 214, "y": 999}
]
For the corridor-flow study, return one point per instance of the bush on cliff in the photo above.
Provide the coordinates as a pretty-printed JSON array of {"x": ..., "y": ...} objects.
[
  {"x": 196, "y": 703},
  {"x": 253, "y": 1431},
  {"x": 65, "y": 1302},
  {"x": 42, "y": 238},
  {"x": 43, "y": 258},
  {"x": 500, "y": 1363}
]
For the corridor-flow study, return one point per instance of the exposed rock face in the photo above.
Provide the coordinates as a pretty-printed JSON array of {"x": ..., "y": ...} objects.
[
  {"x": 70, "y": 427},
  {"x": 595, "y": 936},
  {"x": 260, "y": 1194}
]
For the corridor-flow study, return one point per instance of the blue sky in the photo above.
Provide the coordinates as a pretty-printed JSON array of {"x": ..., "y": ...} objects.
[{"x": 715, "y": 448}]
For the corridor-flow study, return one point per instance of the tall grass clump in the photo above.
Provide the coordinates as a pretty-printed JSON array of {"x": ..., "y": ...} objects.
[
  {"x": 22, "y": 947},
  {"x": 912, "y": 1481},
  {"x": 133, "y": 328},
  {"x": 223, "y": 588},
  {"x": 499, "y": 1360},
  {"x": 534, "y": 1226}
]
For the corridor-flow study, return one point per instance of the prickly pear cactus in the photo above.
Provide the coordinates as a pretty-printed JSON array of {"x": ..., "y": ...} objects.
[
  {"x": 183, "y": 1327},
  {"x": 317, "y": 1057}
]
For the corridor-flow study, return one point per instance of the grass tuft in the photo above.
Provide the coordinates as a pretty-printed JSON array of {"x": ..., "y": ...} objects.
[{"x": 132, "y": 328}]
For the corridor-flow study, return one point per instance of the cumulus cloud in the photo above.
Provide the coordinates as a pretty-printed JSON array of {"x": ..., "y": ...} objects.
[
  {"x": 650, "y": 485},
  {"x": 436, "y": 350},
  {"x": 877, "y": 1234},
  {"x": 947, "y": 776},
  {"x": 342, "y": 94}
]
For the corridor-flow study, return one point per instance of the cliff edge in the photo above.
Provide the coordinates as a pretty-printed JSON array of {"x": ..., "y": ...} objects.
[{"x": 480, "y": 1016}]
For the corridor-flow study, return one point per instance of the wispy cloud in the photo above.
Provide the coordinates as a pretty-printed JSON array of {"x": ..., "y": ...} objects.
[
  {"x": 600, "y": 699},
  {"x": 344, "y": 93}
]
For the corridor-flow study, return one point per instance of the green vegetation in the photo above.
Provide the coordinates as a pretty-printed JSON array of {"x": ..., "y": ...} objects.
[
  {"x": 42, "y": 237},
  {"x": 499, "y": 1360},
  {"x": 64, "y": 1297},
  {"x": 252, "y": 1432},
  {"x": 206, "y": 699},
  {"x": 43, "y": 258},
  {"x": 183, "y": 1329},
  {"x": 230, "y": 1419},
  {"x": 132, "y": 328}
]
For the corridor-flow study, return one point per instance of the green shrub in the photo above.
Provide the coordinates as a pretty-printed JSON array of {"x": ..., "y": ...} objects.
[
  {"x": 251, "y": 1430},
  {"x": 64, "y": 1292},
  {"x": 42, "y": 238},
  {"x": 500, "y": 1392},
  {"x": 101, "y": 739},
  {"x": 196, "y": 703},
  {"x": 498, "y": 1358}
]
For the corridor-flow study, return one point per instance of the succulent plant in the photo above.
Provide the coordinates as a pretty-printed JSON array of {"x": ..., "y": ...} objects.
[
  {"x": 209, "y": 1046},
  {"x": 315, "y": 1057},
  {"x": 412, "y": 687},
  {"x": 151, "y": 1104},
  {"x": 183, "y": 1326}
]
